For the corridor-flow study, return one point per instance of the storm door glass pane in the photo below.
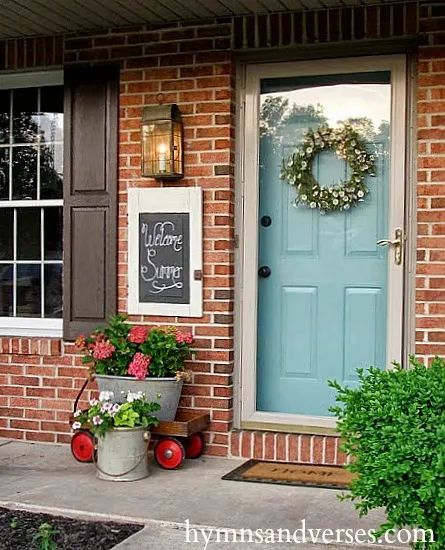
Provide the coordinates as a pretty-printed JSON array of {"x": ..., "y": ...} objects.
[
  {"x": 6, "y": 291},
  {"x": 53, "y": 291},
  {"x": 25, "y": 124},
  {"x": 6, "y": 233},
  {"x": 28, "y": 233},
  {"x": 5, "y": 109},
  {"x": 4, "y": 173},
  {"x": 28, "y": 291}
]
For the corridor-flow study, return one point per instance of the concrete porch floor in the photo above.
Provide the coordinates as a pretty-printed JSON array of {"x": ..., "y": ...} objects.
[{"x": 47, "y": 478}]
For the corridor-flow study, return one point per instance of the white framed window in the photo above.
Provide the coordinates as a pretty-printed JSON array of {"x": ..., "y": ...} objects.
[{"x": 31, "y": 204}]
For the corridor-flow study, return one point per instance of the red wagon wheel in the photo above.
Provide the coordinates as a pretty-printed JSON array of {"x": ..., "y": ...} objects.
[
  {"x": 169, "y": 453},
  {"x": 82, "y": 446},
  {"x": 194, "y": 445}
]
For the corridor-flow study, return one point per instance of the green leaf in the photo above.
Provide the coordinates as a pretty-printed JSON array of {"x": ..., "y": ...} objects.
[{"x": 393, "y": 427}]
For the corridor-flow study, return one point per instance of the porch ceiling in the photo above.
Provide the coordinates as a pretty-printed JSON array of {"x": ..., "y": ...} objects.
[{"x": 43, "y": 17}]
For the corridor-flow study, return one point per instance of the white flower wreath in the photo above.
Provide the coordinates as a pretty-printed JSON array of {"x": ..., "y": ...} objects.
[{"x": 346, "y": 142}]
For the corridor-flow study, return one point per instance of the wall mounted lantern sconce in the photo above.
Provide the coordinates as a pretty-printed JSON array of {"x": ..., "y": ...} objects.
[{"x": 162, "y": 142}]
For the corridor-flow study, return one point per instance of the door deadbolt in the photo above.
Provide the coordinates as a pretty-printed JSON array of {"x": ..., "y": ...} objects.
[
  {"x": 264, "y": 271},
  {"x": 266, "y": 221}
]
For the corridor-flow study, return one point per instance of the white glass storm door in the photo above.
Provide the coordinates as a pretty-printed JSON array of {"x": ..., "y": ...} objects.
[{"x": 323, "y": 298}]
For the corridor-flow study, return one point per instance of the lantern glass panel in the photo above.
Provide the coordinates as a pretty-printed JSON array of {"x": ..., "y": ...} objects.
[
  {"x": 157, "y": 148},
  {"x": 177, "y": 147}
]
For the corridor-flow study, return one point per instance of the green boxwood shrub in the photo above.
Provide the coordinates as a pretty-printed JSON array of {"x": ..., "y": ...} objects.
[{"x": 393, "y": 428}]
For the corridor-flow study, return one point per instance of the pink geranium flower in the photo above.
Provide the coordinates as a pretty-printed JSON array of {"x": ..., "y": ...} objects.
[
  {"x": 138, "y": 335},
  {"x": 139, "y": 366},
  {"x": 103, "y": 350},
  {"x": 184, "y": 337}
]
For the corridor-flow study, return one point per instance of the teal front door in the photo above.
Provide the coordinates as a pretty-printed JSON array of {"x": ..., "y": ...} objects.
[{"x": 323, "y": 281}]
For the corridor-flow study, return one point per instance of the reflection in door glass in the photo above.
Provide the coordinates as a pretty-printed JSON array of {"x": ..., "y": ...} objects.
[{"x": 292, "y": 106}]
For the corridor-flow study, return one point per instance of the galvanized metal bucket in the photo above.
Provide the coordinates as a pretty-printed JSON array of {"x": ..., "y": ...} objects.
[
  {"x": 122, "y": 454},
  {"x": 169, "y": 390}
]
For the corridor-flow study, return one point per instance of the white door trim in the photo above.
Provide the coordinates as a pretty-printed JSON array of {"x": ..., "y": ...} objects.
[{"x": 247, "y": 219}]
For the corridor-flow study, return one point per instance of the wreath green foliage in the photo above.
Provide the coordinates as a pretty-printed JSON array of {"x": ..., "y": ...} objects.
[{"x": 348, "y": 145}]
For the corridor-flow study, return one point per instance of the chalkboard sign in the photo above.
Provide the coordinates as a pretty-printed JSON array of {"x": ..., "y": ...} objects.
[
  {"x": 165, "y": 251},
  {"x": 164, "y": 257}
]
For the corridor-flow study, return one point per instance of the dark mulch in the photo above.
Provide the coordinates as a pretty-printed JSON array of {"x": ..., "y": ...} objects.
[{"x": 17, "y": 530}]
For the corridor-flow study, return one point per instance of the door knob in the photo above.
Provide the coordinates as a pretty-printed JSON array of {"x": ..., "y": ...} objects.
[
  {"x": 266, "y": 221},
  {"x": 397, "y": 243},
  {"x": 264, "y": 271}
]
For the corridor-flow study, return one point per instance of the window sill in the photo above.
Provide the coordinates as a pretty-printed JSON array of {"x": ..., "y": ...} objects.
[{"x": 24, "y": 327}]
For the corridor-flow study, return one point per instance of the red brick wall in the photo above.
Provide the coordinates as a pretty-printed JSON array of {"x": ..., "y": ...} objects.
[
  {"x": 39, "y": 380},
  {"x": 202, "y": 84},
  {"x": 194, "y": 67},
  {"x": 430, "y": 282}
]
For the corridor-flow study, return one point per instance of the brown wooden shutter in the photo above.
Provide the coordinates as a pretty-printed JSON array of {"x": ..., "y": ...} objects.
[{"x": 90, "y": 198}]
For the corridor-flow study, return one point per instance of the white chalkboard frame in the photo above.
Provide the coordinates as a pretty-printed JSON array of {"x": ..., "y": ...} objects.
[{"x": 165, "y": 200}]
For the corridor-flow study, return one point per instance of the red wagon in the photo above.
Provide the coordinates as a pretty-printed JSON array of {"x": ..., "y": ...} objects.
[{"x": 175, "y": 440}]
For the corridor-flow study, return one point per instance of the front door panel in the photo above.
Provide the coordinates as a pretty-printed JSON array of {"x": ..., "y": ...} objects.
[{"x": 323, "y": 310}]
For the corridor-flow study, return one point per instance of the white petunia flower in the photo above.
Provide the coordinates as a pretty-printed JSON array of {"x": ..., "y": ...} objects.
[
  {"x": 360, "y": 194},
  {"x": 77, "y": 425},
  {"x": 77, "y": 413},
  {"x": 346, "y": 207},
  {"x": 303, "y": 165},
  {"x": 335, "y": 202},
  {"x": 106, "y": 396},
  {"x": 309, "y": 150},
  {"x": 131, "y": 397},
  {"x": 106, "y": 407},
  {"x": 313, "y": 205},
  {"x": 304, "y": 197}
]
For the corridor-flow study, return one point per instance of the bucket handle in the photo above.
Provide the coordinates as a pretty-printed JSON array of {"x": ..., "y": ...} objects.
[{"x": 96, "y": 465}]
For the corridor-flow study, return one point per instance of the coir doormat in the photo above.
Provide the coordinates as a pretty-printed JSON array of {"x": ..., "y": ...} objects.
[{"x": 283, "y": 473}]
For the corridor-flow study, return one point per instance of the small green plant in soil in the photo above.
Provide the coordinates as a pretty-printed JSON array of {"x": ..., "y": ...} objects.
[
  {"x": 393, "y": 428},
  {"x": 44, "y": 537},
  {"x": 18, "y": 530}
]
